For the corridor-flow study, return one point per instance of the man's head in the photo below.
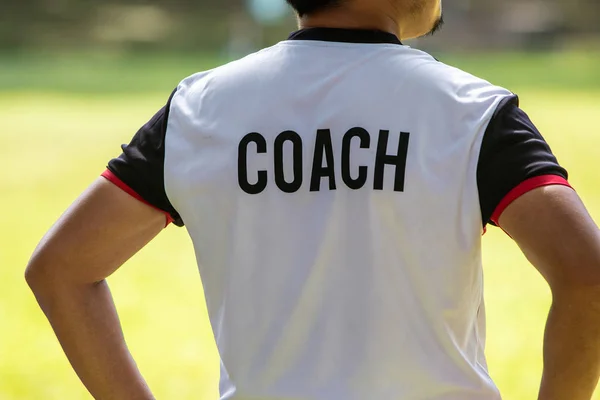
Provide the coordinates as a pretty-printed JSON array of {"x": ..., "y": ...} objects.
[
  {"x": 307, "y": 7},
  {"x": 413, "y": 18}
]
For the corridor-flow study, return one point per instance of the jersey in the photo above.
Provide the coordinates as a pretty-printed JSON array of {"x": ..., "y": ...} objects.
[{"x": 336, "y": 187}]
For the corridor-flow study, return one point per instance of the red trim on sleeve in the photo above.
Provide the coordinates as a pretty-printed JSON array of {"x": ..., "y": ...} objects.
[
  {"x": 524, "y": 187},
  {"x": 110, "y": 176}
]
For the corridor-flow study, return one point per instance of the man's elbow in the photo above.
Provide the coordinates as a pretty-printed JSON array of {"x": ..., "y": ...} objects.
[
  {"x": 43, "y": 274},
  {"x": 50, "y": 275},
  {"x": 37, "y": 275}
]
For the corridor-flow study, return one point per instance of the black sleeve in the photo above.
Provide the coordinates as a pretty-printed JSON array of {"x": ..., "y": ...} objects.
[
  {"x": 513, "y": 151},
  {"x": 141, "y": 165}
]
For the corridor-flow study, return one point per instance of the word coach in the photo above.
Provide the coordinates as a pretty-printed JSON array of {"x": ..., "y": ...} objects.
[{"x": 323, "y": 161}]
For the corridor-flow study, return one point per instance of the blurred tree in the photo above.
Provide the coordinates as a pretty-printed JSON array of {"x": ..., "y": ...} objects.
[
  {"x": 211, "y": 24},
  {"x": 581, "y": 15}
]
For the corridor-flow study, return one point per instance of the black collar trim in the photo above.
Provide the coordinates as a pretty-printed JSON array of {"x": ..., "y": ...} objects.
[{"x": 345, "y": 35}]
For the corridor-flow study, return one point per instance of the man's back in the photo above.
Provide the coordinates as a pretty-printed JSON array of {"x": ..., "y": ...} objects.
[
  {"x": 331, "y": 192},
  {"x": 336, "y": 187}
]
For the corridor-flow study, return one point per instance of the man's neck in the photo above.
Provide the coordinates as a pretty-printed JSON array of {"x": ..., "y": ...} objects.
[{"x": 351, "y": 18}]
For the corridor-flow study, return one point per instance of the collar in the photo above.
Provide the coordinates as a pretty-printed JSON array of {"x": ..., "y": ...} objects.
[{"x": 345, "y": 35}]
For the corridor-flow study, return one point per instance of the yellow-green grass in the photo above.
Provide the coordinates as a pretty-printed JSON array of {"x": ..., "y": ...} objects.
[{"x": 53, "y": 145}]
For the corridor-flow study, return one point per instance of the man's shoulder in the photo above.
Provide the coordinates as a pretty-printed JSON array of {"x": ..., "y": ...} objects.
[
  {"x": 440, "y": 78},
  {"x": 229, "y": 71}
]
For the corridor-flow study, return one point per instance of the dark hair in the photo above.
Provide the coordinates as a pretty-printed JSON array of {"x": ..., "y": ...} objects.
[{"x": 306, "y": 7}]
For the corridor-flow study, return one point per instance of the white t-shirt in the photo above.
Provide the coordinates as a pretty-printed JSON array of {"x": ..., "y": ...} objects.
[{"x": 336, "y": 187}]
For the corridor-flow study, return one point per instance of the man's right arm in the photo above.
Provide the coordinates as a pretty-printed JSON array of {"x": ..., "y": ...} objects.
[
  {"x": 116, "y": 217},
  {"x": 553, "y": 228},
  {"x": 67, "y": 273}
]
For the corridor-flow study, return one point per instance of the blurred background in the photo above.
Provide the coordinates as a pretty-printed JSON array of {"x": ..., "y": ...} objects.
[{"x": 78, "y": 78}]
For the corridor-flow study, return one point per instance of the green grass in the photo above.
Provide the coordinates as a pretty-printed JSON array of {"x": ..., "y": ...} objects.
[
  {"x": 549, "y": 71},
  {"x": 52, "y": 145},
  {"x": 99, "y": 72},
  {"x": 109, "y": 72}
]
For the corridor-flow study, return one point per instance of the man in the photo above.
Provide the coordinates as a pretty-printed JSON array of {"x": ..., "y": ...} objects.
[{"x": 336, "y": 187}]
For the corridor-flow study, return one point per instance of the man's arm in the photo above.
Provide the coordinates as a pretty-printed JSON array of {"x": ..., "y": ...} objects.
[
  {"x": 67, "y": 273},
  {"x": 558, "y": 236}
]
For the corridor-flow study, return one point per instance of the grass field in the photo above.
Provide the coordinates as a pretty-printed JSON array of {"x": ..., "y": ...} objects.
[{"x": 54, "y": 140}]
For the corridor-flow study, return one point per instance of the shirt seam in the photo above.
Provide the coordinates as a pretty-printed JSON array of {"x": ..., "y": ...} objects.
[{"x": 320, "y": 43}]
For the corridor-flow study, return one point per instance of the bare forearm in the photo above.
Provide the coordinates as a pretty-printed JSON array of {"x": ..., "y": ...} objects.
[
  {"x": 572, "y": 347},
  {"x": 86, "y": 323}
]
